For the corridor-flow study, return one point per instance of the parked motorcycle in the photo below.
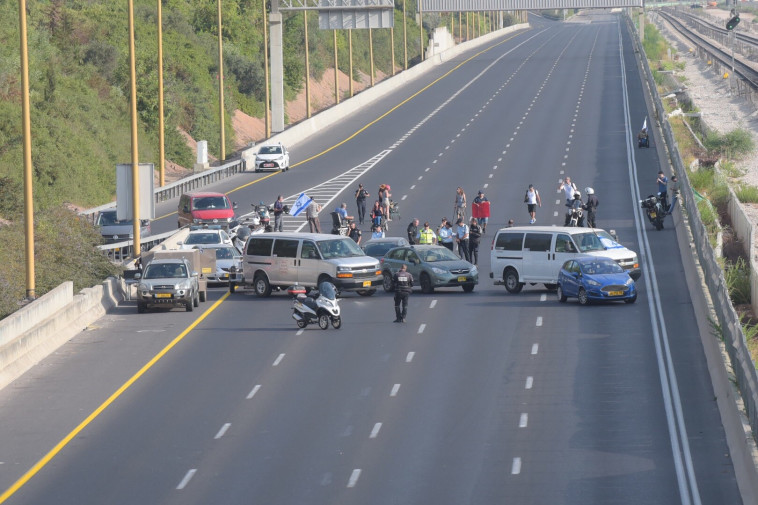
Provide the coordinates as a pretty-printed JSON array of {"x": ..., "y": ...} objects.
[
  {"x": 264, "y": 213},
  {"x": 654, "y": 210},
  {"x": 319, "y": 306}
]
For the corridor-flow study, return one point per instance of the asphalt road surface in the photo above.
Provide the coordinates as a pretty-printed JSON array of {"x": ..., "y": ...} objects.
[{"x": 479, "y": 398}]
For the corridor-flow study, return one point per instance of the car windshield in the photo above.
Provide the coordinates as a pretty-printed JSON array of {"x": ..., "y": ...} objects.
[
  {"x": 270, "y": 150},
  {"x": 588, "y": 242},
  {"x": 379, "y": 249},
  {"x": 226, "y": 253},
  {"x": 601, "y": 267},
  {"x": 437, "y": 254},
  {"x": 109, "y": 219},
  {"x": 339, "y": 248},
  {"x": 210, "y": 202},
  {"x": 166, "y": 271},
  {"x": 202, "y": 238}
]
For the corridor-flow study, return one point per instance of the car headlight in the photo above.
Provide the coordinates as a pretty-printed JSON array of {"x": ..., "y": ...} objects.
[
  {"x": 474, "y": 270},
  {"x": 196, "y": 220},
  {"x": 439, "y": 271},
  {"x": 629, "y": 282},
  {"x": 592, "y": 282},
  {"x": 144, "y": 287}
]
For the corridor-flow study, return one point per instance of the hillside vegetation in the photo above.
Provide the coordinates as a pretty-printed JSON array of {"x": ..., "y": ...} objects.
[{"x": 79, "y": 75}]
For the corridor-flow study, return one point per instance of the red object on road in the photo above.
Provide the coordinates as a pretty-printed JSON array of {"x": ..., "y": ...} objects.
[{"x": 479, "y": 210}]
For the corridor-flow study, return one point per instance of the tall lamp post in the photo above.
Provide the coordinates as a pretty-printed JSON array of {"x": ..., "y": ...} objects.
[{"x": 26, "y": 125}]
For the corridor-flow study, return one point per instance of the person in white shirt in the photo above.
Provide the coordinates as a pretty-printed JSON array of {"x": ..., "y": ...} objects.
[
  {"x": 532, "y": 199},
  {"x": 445, "y": 235},
  {"x": 378, "y": 232},
  {"x": 568, "y": 188},
  {"x": 461, "y": 237}
]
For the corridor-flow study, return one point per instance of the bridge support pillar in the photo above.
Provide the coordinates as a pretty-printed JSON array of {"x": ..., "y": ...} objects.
[{"x": 277, "y": 69}]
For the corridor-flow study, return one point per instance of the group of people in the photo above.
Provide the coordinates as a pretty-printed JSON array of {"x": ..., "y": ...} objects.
[{"x": 465, "y": 237}]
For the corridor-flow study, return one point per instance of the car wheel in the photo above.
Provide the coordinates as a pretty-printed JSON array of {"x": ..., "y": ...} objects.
[
  {"x": 387, "y": 282},
  {"x": 141, "y": 307},
  {"x": 366, "y": 292},
  {"x": 262, "y": 286},
  {"x": 203, "y": 296},
  {"x": 301, "y": 323},
  {"x": 323, "y": 321},
  {"x": 196, "y": 300},
  {"x": 561, "y": 297},
  {"x": 189, "y": 306},
  {"x": 631, "y": 300},
  {"x": 512, "y": 284},
  {"x": 583, "y": 298},
  {"x": 426, "y": 283},
  {"x": 468, "y": 288}
]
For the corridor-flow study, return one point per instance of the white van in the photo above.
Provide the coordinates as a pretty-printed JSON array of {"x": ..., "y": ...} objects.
[
  {"x": 535, "y": 254},
  {"x": 279, "y": 260}
]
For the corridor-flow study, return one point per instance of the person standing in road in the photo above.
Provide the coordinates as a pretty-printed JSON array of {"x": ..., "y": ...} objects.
[
  {"x": 446, "y": 235},
  {"x": 360, "y": 200},
  {"x": 510, "y": 223},
  {"x": 532, "y": 200},
  {"x": 354, "y": 233},
  {"x": 384, "y": 200},
  {"x": 460, "y": 204},
  {"x": 663, "y": 189},
  {"x": 674, "y": 192},
  {"x": 568, "y": 188},
  {"x": 482, "y": 221},
  {"x": 591, "y": 206},
  {"x": 461, "y": 238},
  {"x": 413, "y": 232},
  {"x": 278, "y": 212},
  {"x": 426, "y": 236},
  {"x": 403, "y": 282},
  {"x": 474, "y": 236},
  {"x": 311, "y": 213}
]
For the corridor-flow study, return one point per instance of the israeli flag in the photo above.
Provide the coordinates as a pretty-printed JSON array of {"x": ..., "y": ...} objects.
[
  {"x": 644, "y": 124},
  {"x": 300, "y": 204}
]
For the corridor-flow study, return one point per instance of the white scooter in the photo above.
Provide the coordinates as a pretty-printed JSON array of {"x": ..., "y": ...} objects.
[{"x": 318, "y": 306}]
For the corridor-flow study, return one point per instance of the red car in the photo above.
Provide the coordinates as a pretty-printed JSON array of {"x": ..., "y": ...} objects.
[{"x": 205, "y": 208}]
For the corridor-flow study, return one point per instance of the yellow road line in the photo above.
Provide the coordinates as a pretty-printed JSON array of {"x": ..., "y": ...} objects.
[{"x": 60, "y": 445}]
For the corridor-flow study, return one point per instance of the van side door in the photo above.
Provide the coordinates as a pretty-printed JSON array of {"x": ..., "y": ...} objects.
[
  {"x": 284, "y": 258},
  {"x": 309, "y": 264},
  {"x": 537, "y": 257},
  {"x": 564, "y": 250}
]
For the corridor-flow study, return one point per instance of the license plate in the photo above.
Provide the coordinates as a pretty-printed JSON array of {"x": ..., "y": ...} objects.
[
  {"x": 268, "y": 165},
  {"x": 653, "y": 214},
  {"x": 366, "y": 284},
  {"x": 163, "y": 295},
  {"x": 462, "y": 279},
  {"x": 615, "y": 293}
]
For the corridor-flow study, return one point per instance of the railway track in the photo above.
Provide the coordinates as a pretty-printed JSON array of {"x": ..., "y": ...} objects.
[
  {"x": 708, "y": 25},
  {"x": 745, "y": 72}
]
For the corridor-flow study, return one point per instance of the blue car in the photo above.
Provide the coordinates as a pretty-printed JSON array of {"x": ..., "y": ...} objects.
[{"x": 595, "y": 279}]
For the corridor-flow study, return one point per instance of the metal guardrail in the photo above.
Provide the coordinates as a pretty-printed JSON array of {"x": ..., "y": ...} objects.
[
  {"x": 177, "y": 188},
  {"x": 122, "y": 251},
  {"x": 728, "y": 320}
]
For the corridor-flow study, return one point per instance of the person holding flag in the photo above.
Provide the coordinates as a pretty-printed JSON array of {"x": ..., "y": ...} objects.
[
  {"x": 642, "y": 137},
  {"x": 300, "y": 204}
]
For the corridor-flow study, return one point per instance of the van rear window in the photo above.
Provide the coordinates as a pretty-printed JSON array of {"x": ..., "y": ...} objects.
[
  {"x": 509, "y": 241},
  {"x": 259, "y": 246}
]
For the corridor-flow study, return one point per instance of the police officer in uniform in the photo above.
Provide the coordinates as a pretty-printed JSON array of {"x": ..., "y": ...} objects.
[{"x": 403, "y": 282}]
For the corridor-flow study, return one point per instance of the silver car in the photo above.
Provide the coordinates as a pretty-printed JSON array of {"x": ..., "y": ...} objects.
[
  {"x": 168, "y": 282},
  {"x": 114, "y": 230},
  {"x": 226, "y": 258}
]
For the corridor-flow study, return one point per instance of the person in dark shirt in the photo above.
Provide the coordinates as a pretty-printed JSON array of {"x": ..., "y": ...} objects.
[
  {"x": 474, "y": 236},
  {"x": 354, "y": 233},
  {"x": 413, "y": 232},
  {"x": 360, "y": 200},
  {"x": 403, "y": 282}
]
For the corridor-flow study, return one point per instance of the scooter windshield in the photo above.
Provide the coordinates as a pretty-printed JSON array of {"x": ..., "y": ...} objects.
[{"x": 328, "y": 290}]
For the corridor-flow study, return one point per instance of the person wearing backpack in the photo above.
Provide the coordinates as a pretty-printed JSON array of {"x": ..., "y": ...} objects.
[{"x": 532, "y": 200}]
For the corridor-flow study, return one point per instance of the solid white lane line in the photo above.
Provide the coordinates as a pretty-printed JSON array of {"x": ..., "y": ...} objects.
[
  {"x": 421, "y": 328},
  {"x": 431, "y": 305},
  {"x": 255, "y": 390},
  {"x": 222, "y": 431},
  {"x": 539, "y": 321},
  {"x": 409, "y": 357},
  {"x": 395, "y": 389},
  {"x": 186, "y": 479},
  {"x": 524, "y": 420},
  {"x": 543, "y": 297},
  {"x": 375, "y": 431},
  {"x": 354, "y": 477},
  {"x": 516, "y": 467},
  {"x": 529, "y": 382},
  {"x": 535, "y": 348},
  {"x": 278, "y": 359}
]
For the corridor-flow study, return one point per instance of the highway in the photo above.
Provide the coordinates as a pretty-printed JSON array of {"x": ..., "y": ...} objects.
[{"x": 479, "y": 398}]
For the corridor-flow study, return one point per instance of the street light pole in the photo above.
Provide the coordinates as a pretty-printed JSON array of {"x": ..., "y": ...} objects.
[{"x": 27, "y": 140}]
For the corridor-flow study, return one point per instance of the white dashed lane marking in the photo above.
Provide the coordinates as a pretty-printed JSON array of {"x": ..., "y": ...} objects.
[
  {"x": 516, "y": 467},
  {"x": 395, "y": 389},
  {"x": 186, "y": 479},
  {"x": 278, "y": 360},
  {"x": 375, "y": 431},
  {"x": 354, "y": 477},
  {"x": 524, "y": 420},
  {"x": 539, "y": 321},
  {"x": 529, "y": 382},
  {"x": 431, "y": 305},
  {"x": 254, "y": 390},
  {"x": 535, "y": 348},
  {"x": 222, "y": 431},
  {"x": 421, "y": 328},
  {"x": 409, "y": 357}
]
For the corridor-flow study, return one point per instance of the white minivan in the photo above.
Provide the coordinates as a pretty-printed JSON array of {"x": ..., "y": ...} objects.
[{"x": 535, "y": 254}]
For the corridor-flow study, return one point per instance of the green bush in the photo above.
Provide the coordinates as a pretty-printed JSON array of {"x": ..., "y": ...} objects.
[
  {"x": 747, "y": 194},
  {"x": 735, "y": 143},
  {"x": 737, "y": 276}
]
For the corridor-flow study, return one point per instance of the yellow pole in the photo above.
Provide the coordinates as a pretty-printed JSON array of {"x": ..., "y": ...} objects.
[
  {"x": 307, "y": 70},
  {"x": 266, "y": 115},
  {"x": 460, "y": 28},
  {"x": 370, "y": 53},
  {"x": 405, "y": 39},
  {"x": 392, "y": 48},
  {"x": 350, "y": 60},
  {"x": 479, "y": 22},
  {"x": 135, "y": 140},
  {"x": 336, "y": 72},
  {"x": 467, "y": 16},
  {"x": 161, "y": 126},
  {"x": 421, "y": 29},
  {"x": 27, "y": 134},
  {"x": 221, "y": 83}
]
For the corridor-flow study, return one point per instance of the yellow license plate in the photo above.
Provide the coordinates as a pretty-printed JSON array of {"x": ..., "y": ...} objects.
[
  {"x": 653, "y": 214},
  {"x": 366, "y": 284},
  {"x": 615, "y": 293},
  {"x": 207, "y": 270},
  {"x": 163, "y": 295},
  {"x": 462, "y": 279}
]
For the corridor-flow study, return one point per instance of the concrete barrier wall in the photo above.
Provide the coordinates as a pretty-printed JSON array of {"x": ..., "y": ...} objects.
[
  {"x": 56, "y": 316},
  {"x": 743, "y": 229}
]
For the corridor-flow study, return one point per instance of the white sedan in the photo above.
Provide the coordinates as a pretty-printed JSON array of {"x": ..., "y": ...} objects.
[
  {"x": 200, "y": 239},
  {"x": 272, "y": 157}
]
